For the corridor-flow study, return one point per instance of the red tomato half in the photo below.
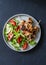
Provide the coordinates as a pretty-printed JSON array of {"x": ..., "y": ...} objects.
[
  {"x": 25, "y": 46},
  {"x": 12, "y": 22},
  {"x": 19, "y": 39}
]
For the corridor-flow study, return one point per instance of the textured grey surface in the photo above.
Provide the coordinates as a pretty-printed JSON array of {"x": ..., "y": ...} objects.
[{"x": 36, "y": 8}]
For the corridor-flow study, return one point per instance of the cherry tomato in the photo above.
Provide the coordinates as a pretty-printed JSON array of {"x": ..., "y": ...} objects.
[
  {"x": 12, "y": 22},
  {"x": 19, "y": 39},
  {"x": 25, "y": 45}
]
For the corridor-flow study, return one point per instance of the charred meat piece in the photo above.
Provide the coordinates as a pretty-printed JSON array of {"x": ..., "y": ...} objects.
[
  {"x": 29, "y": 37},
  {"x": 22, "y": 22},
  {"x": 35, "y": 29},
  {"x": 29, "y": 20},
  {"x": 29, "y": 27},
  {"x": 33, "y": 36},
  {"x": 26, "y": 33},
  {"x": 23, "y": 28}
]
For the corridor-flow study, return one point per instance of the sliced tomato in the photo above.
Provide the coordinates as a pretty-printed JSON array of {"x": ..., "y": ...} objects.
[
  {"x": 25, "y": 45},
  {"x": 18, "y": 28},
  {"x": 19, "y": 39},
  {"x": 10, "y": 35},
  {"x": 12, "y": 22}
]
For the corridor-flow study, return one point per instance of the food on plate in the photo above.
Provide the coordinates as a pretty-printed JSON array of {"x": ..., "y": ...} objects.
[
  {"x": 12, "y": 22},
  {"x": 21, "y": 34},
  {"x": 29, "y": 20},
  {"x": 19, "y": 39},
  {"x": 10, "y": 35},
  {"x": 25, "y": 45}
]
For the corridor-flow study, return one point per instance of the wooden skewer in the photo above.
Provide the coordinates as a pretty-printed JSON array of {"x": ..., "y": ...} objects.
[{"x": 39, "y": 21}]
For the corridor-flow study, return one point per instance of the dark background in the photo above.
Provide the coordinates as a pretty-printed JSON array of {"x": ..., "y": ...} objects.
[{"x": 36, "y": 8}]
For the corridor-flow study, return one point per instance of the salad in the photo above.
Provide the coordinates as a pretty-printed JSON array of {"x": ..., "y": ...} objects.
[{"x": 21, "y": 34}]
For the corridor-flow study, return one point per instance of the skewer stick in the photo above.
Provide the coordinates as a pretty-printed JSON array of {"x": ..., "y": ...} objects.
[{"x": 39, "y": 21}]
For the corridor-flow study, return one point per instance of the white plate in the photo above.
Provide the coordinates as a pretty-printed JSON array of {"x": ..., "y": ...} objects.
[{"x": 24, "y": 17}]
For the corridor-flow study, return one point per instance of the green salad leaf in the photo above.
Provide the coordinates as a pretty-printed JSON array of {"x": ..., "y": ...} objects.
[
  {"x": 16, "y": 34},
  {"x": 5, "y": 35},
  {"x": 22, "y": 42},
  {"x": 32, "y": 42},
  {"x": 17, "y": 48},
  {"x": 15, "y": 44}
]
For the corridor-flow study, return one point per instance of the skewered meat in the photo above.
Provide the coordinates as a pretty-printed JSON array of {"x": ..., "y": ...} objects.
[
  {"x": 36, "y": 28},
  {"x": 22, "y": 22},
  {"x": 29, "y": 20},
  {"x": 26, "y": 33},
  {"x": 28, "y": 29},
  {"x": 23, "y": 27}
]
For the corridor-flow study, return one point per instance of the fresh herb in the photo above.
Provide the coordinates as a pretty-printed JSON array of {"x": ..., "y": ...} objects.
[
  {"x": 16, "y": 34},
  {"x": 22, "y": 42},
  {"x": 32, "y": 42}
]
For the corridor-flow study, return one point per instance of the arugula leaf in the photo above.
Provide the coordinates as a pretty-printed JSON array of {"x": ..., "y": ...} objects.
[
  {"x": 32, "y": 42},
  {"x": 17, "y": 48},
  {"x": 23, "y": 40},
  {"x": 13, "y": 41},
  {"x": 16, "y": 34}
]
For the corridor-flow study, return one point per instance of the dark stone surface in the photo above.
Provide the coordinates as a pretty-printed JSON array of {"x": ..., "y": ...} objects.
[{"x": 36, "y": 8}]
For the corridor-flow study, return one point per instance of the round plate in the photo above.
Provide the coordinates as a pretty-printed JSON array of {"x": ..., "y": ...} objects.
[{"x": 24, "y": 17}]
